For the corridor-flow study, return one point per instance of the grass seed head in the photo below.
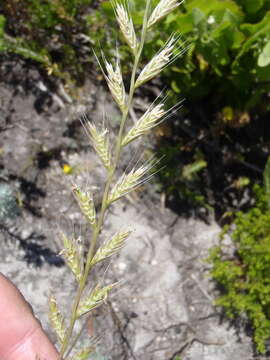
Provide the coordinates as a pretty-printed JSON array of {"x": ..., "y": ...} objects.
[
  {"x": 126, "y": 26},
  {"x": 116, "y": 85},
  {"x": 163, "y": 8},
  {"x": 145, "y": 123},
  {"x": 72, "y": 256},
  {"x": 100, "y": 142},
  {"x": 127, "y": 183},
  {"x": 96, "y": 298},
  {"x": 112, "y": 247},
  {"x": 56, "y": 319},
  {"x": 156, "y": 65},
  {"x": 86, "y": 203}
]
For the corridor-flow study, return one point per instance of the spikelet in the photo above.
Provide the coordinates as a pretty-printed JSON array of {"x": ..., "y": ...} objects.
[
  {"x": 116, "y": 85},
  {"x": 86, "y": 203},
  {"x": 126, "y": 26},
  {"x": 145, "y": 123},
  {"x": 111, "y": 247},
  {"x": 83, "y": 354},
  {"x": 56, "y": 319},
  {"x": 96, "y": 298},
  {"x": 159, "y": 61},
  {"x": 163, "y": 8},
  {"x": 72, "y": 256},
  {"x": 100, "y": 142},
  {"x": 127, "y": 183}
]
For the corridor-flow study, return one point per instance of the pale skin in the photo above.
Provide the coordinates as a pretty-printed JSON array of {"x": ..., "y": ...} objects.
[{"x": 21, "y": 335}]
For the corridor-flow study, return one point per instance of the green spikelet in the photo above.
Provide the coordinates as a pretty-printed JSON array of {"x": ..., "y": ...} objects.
[
  {"x": 56, "y": 319},
  {"x": 126, "y": 25},
  {"x": 127, "y": 183},
  {"x": 149, "y": 120},
  {"x": 100, "y": 141},
  {"x": 72, "y": 256},
  {"x": 86, "y": 203},
  {"x": 96, "y": 298},
  {"x": 111, "y": 247}
]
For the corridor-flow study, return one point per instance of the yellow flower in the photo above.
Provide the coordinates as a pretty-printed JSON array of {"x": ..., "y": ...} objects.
[{"x": 67, "y": 169}]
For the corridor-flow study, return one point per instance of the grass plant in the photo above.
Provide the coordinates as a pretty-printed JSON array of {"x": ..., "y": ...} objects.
[{"x": 109, "y": 154}]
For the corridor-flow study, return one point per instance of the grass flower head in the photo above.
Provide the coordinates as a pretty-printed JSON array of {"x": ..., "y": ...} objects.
[
  {"x": 163, "y": 8},
  {"x": 158, "y": 63},
  {"x": 145, "y": 123},
  {"x": 126, "y": 26},
  {"x": 116, "y": 85},
  {"x": 82, "y": 265}
]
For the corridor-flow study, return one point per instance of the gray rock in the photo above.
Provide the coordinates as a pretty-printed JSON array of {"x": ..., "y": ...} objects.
[{"x": 164, "y": 303}]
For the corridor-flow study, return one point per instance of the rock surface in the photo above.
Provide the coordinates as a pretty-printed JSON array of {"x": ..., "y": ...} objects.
[{"x": 163, "y": 306}]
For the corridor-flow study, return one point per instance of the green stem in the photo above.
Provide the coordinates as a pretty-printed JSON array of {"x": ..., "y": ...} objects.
[
  {"x": 104, "y": 205},
  {"x": 77, "y": 337}
]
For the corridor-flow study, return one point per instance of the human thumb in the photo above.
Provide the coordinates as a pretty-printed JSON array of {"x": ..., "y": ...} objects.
[{"x": 21, "y": 335}]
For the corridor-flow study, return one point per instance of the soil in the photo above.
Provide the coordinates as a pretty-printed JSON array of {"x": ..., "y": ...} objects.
[{"x": 163, "y": 306}]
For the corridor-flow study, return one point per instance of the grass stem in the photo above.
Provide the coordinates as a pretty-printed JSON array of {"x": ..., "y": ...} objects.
[{"x": 111, "y": 173}]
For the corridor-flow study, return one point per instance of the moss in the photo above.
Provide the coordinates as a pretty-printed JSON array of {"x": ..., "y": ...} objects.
[
  {"x": 244, "y": 278},
  {"x": 8, "y": 205}
]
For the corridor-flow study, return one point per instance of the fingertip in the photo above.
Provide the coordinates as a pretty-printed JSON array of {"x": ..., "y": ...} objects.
[{"x": 21, "y": 335}]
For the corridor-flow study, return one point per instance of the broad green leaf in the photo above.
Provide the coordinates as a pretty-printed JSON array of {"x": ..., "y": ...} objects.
[
  {"x": 237, "y": 39},
  {"x": 215, "y": 7},
  {"x": 264, "y": 58},
  {"x": 252, "y": 6},
  {"x": 184, "y": 23},
  {"x": 221, "y": 30},
  {"x": 231, "y": 17},
  {"x": 254, "y": 32},
  {"x": 197, "y": 16},
  {"x": 215, "y": 53},
  {"x": 263, "y": 26}
]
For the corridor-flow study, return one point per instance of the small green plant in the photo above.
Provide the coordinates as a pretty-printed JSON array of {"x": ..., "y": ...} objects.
[
  {"x": 86, "y": 300},
  {"x": 244, "y": 277}
]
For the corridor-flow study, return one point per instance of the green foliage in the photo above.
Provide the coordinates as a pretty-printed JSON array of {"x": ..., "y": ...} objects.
[
  {"x": 190, "y": 170},
  {"x": 244, "y": 279},
  {"x": 8, "y": 205},
  {"x": 180, "y": 178},
  {"x": 229, "y": 40},
  {"x": 47, "y": 32},
  {"x": 228, "y": 48},
  {"x": 226, "y": 72},
  {"x": 226, "y": 40},
  {"x": 264, "y": 58}
]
